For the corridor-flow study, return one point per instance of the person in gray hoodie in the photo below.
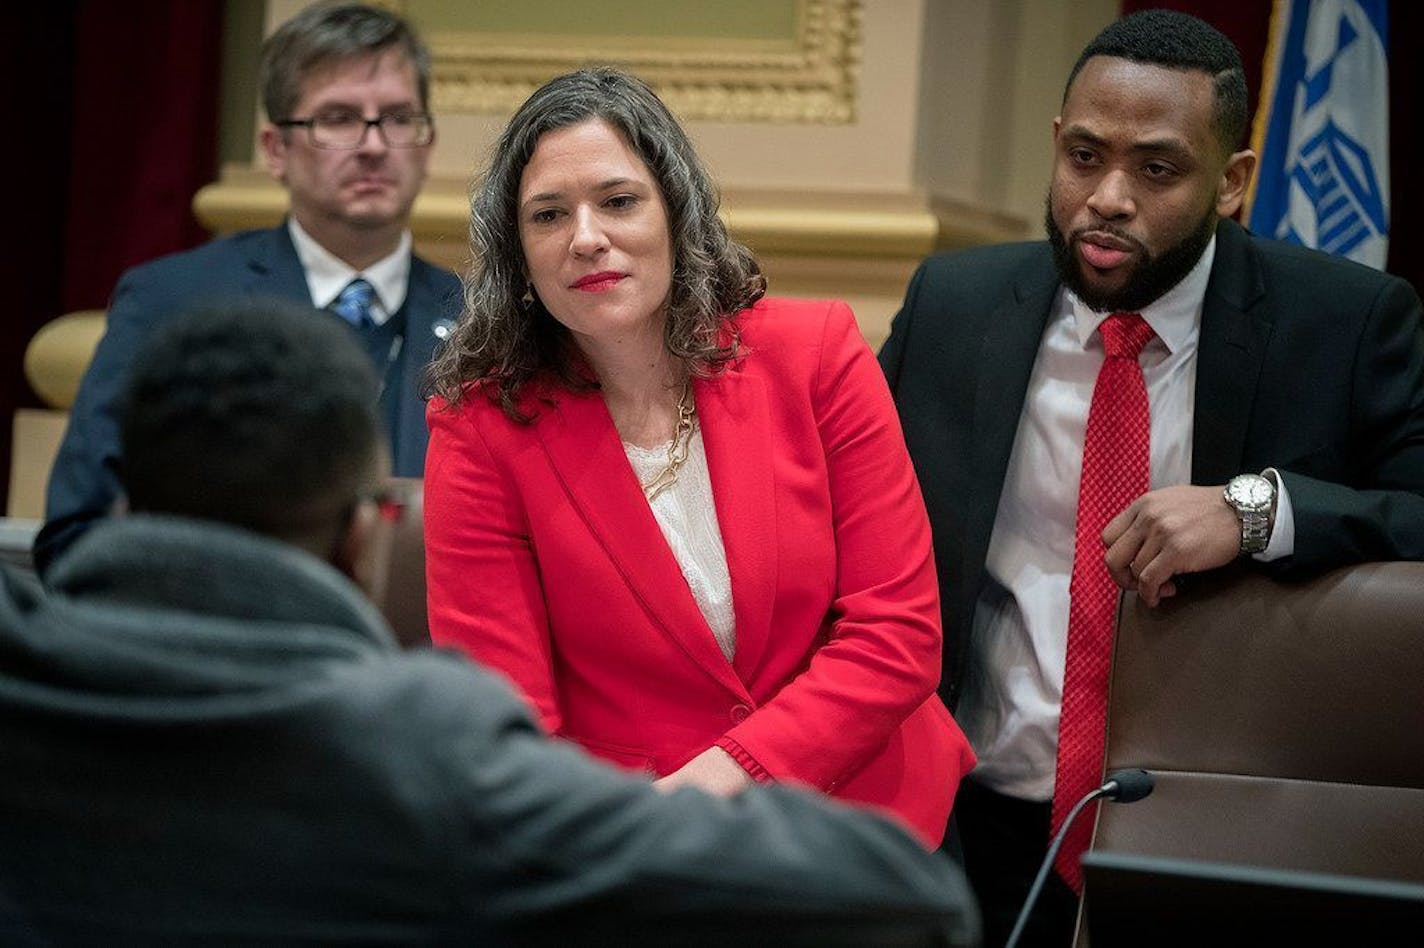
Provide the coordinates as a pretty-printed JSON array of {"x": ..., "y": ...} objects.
[{"x": 208, "y": 733}]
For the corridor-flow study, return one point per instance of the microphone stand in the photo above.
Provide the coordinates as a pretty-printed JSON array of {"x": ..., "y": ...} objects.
[{"x": 1125, "y": 785}]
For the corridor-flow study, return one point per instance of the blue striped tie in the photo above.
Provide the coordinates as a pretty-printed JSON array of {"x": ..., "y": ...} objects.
[{"x": 354, "y": 304}]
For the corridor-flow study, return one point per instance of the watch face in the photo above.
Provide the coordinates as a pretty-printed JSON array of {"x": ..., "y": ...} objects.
[{"x": 1252, "y": 493}]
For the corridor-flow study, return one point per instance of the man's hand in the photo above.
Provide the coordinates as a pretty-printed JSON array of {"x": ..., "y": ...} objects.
[
  {"x": 1170, "y": 531},
  {"x": 713, "y": 770}
]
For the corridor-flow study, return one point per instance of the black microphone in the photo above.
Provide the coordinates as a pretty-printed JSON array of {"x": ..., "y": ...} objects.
[
  {"x": 1122, "y": 786},
  {"x": 1127, "y": 786}
]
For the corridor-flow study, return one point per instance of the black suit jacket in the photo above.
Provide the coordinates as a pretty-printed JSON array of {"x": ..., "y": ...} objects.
[
  {"x": 1307, "y": 363},
  {"x": 253, "y": 264}
]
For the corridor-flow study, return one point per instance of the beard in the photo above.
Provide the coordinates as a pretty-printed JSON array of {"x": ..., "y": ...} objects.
[{"x": 1151, "y": 276}]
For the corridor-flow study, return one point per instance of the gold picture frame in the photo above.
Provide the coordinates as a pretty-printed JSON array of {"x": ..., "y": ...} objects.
[{"x": 810, "y": 76}]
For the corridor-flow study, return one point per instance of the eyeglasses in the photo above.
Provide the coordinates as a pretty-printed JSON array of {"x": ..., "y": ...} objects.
[{"x": 346, "y": 130}]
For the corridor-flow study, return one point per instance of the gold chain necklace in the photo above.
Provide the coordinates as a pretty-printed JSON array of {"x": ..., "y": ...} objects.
[{"x": 677, "y": 450}]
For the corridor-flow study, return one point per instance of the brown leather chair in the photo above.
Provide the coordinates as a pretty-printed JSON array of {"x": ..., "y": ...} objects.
[
  {"x": 1284, "y": 723},
  {"x": 399, "y": 587}
]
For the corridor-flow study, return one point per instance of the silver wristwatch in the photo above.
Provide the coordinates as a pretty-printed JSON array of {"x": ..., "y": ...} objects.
[{"x": 1252, "y": 497}]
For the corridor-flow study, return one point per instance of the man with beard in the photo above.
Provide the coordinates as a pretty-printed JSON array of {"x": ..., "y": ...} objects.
[
  {"x": 1078, "y": 408},
  {"x": 349, "y": 133}
]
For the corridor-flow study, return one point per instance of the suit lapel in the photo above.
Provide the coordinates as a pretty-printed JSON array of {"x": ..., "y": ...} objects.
[
  {"x": 588, "y": 457},
  {"x": 736, "y": 432},
  {"x": 416, "y": 316},
  {"x": 1234, "y": 335},
  {"x": 425, "y": 311},
  {"x": 274, "y": 269},
  {"x": 1003, "y": 365},
  {"x": 419, "y": 298}
]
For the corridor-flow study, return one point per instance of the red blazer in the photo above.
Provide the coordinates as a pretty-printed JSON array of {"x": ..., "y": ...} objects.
[{"x": 544, "y": 561}]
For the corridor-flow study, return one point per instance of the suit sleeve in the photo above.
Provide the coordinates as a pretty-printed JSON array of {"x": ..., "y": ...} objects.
[
  {"x": 1377, "y": 511},
  {"x": 84, "y": 482},
  {"x": 475, "y": 527},
  {"x": 881, "y": 659},
  {"x": 545, "y": 842}
]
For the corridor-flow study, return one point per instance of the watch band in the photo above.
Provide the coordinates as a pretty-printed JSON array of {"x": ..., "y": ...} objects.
[{"x": 1255, "y": 531}]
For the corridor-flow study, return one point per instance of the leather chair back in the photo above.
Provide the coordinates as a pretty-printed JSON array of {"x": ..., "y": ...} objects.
[{"x": 1284, "y": 723}]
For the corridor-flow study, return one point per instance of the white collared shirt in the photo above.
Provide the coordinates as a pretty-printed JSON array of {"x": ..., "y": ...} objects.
[
  {"x": 327, "y": 275},
  {"x": 1014, "y": 687},
  {"x": 687, "y": 516}
]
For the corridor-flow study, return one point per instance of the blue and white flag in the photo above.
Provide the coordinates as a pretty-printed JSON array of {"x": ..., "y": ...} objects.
[{"x": 1322, "y": 129}]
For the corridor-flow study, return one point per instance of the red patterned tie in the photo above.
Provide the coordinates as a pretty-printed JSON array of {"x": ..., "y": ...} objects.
[{"x": 1115, "y": 473}]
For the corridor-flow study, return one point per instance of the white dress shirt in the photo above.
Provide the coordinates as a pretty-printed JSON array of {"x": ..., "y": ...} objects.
[
  {"x": 687, "y": 516},
  {"x": 327, "y": 275},
  {"x": 1014, "y": 687}
]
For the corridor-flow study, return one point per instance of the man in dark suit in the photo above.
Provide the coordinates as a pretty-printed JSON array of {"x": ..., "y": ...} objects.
[
  {"x": 209, "y": 736},
  {"x": 1294, "y": 377},
  {"x": 348, "y": 134}
]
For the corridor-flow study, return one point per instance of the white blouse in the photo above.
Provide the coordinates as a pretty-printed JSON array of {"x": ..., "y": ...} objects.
[{"x": 688, "y": 518}]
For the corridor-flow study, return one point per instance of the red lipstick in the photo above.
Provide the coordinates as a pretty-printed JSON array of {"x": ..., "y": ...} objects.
[{"x": 598, "y": 282}]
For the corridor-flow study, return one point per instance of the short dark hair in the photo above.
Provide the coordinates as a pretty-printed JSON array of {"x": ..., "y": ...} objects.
[
  {"x": 326, "y": 33},
  {"x": 260, "y": 414},
  {"x": 1179, "y": 41},
  {"x": 506, "y": 341}
]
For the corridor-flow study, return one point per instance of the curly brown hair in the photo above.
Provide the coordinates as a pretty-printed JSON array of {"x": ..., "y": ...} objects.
[{"x": 506, "y": 338}]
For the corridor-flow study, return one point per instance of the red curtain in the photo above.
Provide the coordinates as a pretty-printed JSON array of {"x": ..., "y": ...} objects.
[
  {"x": 145, "y": 137},
  {"x": 114, "y": 132},
  {"x": 39, "y": 59},
  {"x": 1406, "y": 193}
]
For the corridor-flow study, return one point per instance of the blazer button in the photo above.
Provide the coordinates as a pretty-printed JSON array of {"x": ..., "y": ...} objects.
[{"x": 740, "y": 713}]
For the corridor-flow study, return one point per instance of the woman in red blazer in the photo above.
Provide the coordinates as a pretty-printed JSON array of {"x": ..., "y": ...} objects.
[{"x": 679, "y": 516}]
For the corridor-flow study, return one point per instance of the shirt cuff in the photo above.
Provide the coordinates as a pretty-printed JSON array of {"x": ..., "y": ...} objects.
[{"x": 1282, "y": 542}]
